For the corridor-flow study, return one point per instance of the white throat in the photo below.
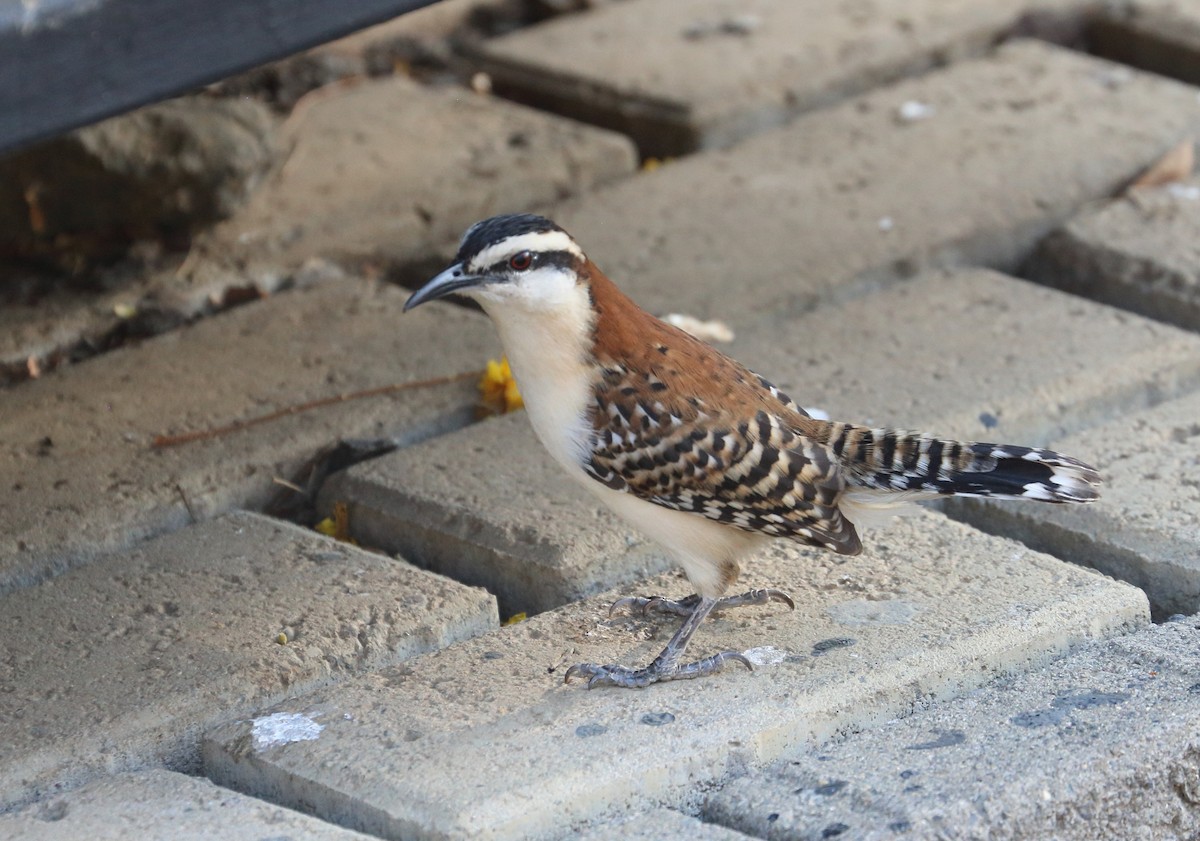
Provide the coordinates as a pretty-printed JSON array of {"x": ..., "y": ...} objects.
[{"x": 548, "y": 343}]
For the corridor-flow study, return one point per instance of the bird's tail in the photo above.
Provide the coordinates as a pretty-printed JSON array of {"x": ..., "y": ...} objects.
[{"x": 913, "y": 464}]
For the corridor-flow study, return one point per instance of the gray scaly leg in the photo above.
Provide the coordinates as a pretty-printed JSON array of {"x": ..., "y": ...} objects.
[
  {"x": 684, "y": 607},
  {"x": 666, "y": 665}
]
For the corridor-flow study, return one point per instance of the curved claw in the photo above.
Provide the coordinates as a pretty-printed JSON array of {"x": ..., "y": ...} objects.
[
  {"x": 738, "y": 656},
  {"x": 608, "y": 675},
  {"x": 645, "y": 605},
  {"x": 631, "y": 602},
  {"x": 774, "y": 595},
  {"x": 579, "y": 669}
]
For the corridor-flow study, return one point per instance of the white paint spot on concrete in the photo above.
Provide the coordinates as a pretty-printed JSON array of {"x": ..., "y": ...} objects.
[
  {"x": 1186, "y": 192},
  {"x": 912, "y": 111},
  {"x": 282, "y": 729},
  {"x": 886, "y": 223},
  {"x": 1115, "y": 77},
  {"x": 864, "y": 612},
  {"x": 766, "y": 655}
]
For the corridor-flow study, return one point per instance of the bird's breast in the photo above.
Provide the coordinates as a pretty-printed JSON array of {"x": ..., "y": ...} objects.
[{"x": 549, "y": 353}]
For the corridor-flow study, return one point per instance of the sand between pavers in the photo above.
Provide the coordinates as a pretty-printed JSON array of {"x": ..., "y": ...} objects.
[
  {"x": 720, "y": 72},
  {"x": 1102, "y": 744},
  {"x": 162, "y": 805},
  {"x": 124, "y": 663},
  {"x": 973, "y": 354},
  {"x": 482, "y": 740},
  {"x": 78, "y": 474},
  {"x": 1146, "y": 527},
  {"x": 852, "y": 196}
]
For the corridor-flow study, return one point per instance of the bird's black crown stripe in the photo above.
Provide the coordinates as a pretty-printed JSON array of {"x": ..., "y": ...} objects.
[{"x": 491, "y": 231}]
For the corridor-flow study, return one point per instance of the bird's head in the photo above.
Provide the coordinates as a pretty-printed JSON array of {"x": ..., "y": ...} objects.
[{"x": 516, "y": 260}]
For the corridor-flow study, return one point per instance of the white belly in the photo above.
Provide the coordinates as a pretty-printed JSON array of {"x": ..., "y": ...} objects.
[{"x": 703, "y": 547}]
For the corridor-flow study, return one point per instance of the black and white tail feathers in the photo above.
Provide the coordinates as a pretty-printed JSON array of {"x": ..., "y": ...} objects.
[{"x": 913, "y": 464}]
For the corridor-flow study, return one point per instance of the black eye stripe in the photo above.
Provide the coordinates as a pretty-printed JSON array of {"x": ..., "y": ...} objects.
[{"x": 558, "y": 259}]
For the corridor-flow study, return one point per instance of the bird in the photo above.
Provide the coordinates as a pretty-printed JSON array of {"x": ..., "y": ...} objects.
[{"x": 692, "y": 448}]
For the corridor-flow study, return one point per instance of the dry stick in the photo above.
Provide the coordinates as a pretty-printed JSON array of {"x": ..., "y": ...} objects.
[{"x": 163, "y": 441}]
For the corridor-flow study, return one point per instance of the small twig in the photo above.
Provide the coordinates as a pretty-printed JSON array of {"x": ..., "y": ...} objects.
[
  {"x": 291, "y": 486},
  {"x": 164, "y": 441},
  {"x": 186, "y": 503}
]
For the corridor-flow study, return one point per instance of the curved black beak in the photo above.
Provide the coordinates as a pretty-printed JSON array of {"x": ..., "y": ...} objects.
[{"x": 451, "y": 280}]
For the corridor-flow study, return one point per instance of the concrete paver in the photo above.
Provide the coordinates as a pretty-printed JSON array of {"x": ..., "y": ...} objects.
[
  {"x": 718, "y": 72},
  {"x": 972, "y": 354},
  {"x": 854, "y": 196},
  {"x": 1136, "y": 253},
  {"x": 656, "y": 825},
  {"x": 482, "y": 739},
  {"x": 78, "y": 476},
  {"x": 1146, "y": 526},
  {"x": 388, "y": 169},
  {"x": 488, "y": 506},
  {"x": 153, "y": 805},
  {"x": 1100, "y": 744},
  {"x": 977, "y": 355},
  {"x": 126, "y": 661}
]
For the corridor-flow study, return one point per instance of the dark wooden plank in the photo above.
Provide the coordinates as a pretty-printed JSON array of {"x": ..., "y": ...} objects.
[{"x": 66, "y": 63}]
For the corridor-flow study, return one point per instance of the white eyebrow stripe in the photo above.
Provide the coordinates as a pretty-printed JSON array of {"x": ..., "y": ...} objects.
[{"x": 535, "y": 241}]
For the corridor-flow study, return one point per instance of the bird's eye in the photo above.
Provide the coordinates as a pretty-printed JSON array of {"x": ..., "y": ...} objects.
[{"x": 521, "y": 261}]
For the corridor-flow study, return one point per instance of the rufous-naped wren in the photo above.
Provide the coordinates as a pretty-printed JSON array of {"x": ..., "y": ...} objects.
[{"x": 695, "y": 450}]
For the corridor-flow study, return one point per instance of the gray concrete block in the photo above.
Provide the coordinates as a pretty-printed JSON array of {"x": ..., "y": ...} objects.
[
  {"x": 1145, "y": 527},
  {"x": 975, "y": 355},
  {"x": 126, "y": 661},
  {"x": 1104, "y": 743},
  {"x": 655, "y": 825},
  {"x": 1137, "y": 253},
  {"x": 852, "y": 197},
  {"x": 483, "y": 740},
  {"x": 717, "y": 73},
  {"x": 489, "y": 507},
  {"x": 78, "y": 474},
  {"x": 388, "y": 169},
  {"x": 162, "y": 805},
  {"x": 972, "y": 354}
]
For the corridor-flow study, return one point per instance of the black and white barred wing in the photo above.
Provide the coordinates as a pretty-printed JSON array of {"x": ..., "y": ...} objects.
[{"x": 758, "y": 475}]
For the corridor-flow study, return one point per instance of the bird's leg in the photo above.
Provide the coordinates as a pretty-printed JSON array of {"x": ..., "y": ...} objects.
[
  {"x": 684, "y": 607},
  {"x": 666, "y": 665}
]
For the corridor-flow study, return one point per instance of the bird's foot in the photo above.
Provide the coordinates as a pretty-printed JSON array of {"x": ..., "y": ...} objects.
[
  {"x": 656, "y": 672},
  {"x": 684, "y": 607}
]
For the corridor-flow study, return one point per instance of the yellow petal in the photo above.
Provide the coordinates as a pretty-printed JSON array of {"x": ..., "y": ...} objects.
[{"x": 512, "y": 397}]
